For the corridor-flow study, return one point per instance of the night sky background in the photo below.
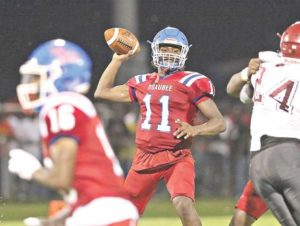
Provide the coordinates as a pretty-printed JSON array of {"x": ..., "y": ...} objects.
[{"x": 225, "y": 33}]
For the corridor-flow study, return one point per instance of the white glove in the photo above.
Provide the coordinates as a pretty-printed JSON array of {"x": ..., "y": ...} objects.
[{"x": 23, "y": 164}]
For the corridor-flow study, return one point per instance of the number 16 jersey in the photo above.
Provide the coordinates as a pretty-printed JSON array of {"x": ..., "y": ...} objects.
[{"x": 97, "y": 172}]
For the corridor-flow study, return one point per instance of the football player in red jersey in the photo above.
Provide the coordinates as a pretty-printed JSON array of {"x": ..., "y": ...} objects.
[
  {"x": 77, "y": 154},
  {"x": 168, "y": 100}
]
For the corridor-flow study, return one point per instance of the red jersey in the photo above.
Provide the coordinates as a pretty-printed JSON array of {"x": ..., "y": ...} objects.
[
  {"x": 164, "y": 100},
  {"x": 97, "y": 171}
]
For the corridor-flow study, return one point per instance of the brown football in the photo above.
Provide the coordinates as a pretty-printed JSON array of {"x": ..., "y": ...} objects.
[{"x": 121, "y": 40}]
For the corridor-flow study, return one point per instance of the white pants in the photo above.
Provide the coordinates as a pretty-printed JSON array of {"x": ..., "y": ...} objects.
[{"x": 102, "y": 212}]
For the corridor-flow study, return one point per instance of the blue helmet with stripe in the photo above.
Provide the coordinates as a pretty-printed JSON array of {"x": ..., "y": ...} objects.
[{"x": 169, "y": 36}]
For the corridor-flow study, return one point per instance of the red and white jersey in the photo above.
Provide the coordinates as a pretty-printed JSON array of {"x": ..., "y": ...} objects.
[
  {"x": 276, "y": 110},
  {"x": 97, "y": 171},
  {"x": 162, "y": 100}
]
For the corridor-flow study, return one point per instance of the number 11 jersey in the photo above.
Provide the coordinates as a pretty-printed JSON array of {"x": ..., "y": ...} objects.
[{"x": 162, "y": 100}]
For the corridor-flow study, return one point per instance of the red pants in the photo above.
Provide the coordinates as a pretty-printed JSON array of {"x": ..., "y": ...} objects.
[
  {"x": 250, "y": 202},
  {"x": 179, "y": 179}
]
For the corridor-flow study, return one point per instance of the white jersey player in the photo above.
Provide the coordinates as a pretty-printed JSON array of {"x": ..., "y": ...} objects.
[
  {"x": 276, "y": 109},
  {"x": 275, "y": 144}
]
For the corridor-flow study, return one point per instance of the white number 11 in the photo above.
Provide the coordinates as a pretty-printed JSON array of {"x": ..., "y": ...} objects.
[{"x": 164, "y": 124}]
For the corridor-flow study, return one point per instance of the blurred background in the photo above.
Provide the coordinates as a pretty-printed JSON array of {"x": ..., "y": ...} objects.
[{"x": 225, "y": 34}]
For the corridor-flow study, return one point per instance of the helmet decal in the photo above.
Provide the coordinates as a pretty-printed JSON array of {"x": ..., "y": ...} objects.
[{"x": 66, "y": 56}]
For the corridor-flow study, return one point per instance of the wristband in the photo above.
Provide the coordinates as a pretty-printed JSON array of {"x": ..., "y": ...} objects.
[{"x": 244, "y": 75}]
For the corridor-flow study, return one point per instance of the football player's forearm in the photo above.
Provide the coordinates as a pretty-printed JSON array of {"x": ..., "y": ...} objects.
[
  {"x": 211, "y": 127},
  {"x": 52, "y": 178},
  {"x": 235, "y": 85},
  {"x": 107, "y": 79}
]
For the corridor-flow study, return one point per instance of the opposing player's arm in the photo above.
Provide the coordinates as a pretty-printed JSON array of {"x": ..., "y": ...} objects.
[
  {"x": 238, "y": 80},
  {"x": 246, "y": 94},
  {"x": 106, "y": 89},
  {"x": 214, "y": 125},
  {"x": 235, "y": 85},
  {"x": 60, "y": 176}
]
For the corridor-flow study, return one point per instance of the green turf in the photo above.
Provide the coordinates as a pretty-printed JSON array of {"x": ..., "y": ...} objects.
[
  {"x": 19, "y": 211},
  {"x": 267, "y": 220},
  {"x": 214, "y": 212},
  {"x": 208, "y": 207}
]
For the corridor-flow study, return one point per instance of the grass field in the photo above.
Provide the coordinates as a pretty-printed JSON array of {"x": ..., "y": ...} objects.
[{"x": 214, "y": 212}]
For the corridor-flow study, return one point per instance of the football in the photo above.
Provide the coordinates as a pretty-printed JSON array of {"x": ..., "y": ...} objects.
[{"x": 121, "y": 41}]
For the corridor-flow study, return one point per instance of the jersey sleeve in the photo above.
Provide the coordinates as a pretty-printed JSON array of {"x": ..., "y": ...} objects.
[
  {"x": 133, "y": 83},
  {"x": 203, "y": 89}
]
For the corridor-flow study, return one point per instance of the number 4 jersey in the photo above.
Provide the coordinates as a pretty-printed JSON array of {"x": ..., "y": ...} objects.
[
  {"x": 276, "y": 110},
  {"x": 97, "y": 172},
  {"x": 162, "y": 100}
]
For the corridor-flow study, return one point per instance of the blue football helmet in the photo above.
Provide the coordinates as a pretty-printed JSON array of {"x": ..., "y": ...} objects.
[
  {"x": 54, "y": 66},
  {"x": 170, "y": 36}
]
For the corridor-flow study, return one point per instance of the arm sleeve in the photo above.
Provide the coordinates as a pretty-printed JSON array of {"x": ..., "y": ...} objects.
[
  {"x": 133, "y": 84},
  {"x": 203, "y": 89}
]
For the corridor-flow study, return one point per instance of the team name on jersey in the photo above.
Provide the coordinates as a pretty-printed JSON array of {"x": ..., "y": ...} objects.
[{"x": 167, "y": 88}]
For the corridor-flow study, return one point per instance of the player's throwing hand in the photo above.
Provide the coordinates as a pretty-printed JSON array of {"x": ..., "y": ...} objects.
[{"x": 123, "y": 57}]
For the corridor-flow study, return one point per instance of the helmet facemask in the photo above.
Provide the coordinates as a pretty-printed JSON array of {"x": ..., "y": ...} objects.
[
  {"x": 35, "y": 84},
  {"x": 170, "y": 60},
  {"x": 173, "y": 61}
]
